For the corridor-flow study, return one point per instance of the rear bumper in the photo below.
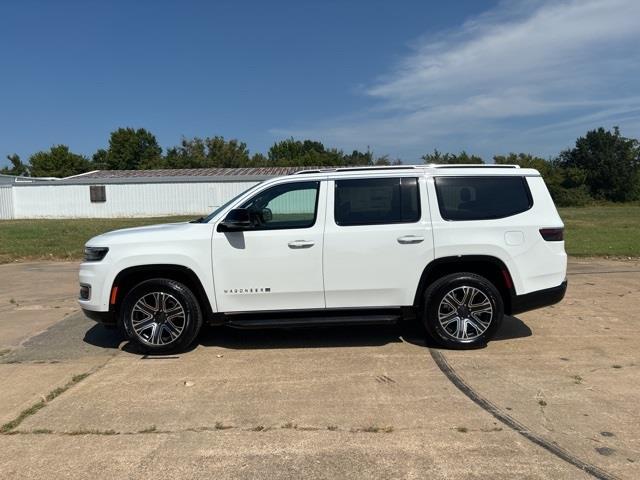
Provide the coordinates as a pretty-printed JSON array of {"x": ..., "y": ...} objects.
[
  {"x": 538, "y": 299},
  {"x": 106, "y": 318}
]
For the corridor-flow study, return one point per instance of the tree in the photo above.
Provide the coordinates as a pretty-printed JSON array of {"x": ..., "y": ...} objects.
[
  {"x": 610, "y": 164},
  {"x": 290, "y": 152},
  {"x": 211, "y": 152},
  {"x": 99, "y": 160},
  {"x": 258, "y": 160},
  {"x": 18, "y": 168},
  {"x": 451, "y": 158},
  {"x": 525, "y": 160},
  {"x": 226, "y": 154},
  {"x": 384, "y": 160},
  {"x": 293, "y": 153},
  {"x": 57, "y": 162},
  {"x": 566, "y": 185},
  {"x": 131, "y": 149}
]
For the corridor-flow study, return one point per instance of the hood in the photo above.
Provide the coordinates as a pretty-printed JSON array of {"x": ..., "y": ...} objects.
[{"x": 151, "y": 233}]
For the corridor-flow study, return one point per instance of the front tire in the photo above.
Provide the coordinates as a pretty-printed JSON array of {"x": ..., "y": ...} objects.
[
  {"x": 161, "y": 316},
  {"x": 462, "y": 310}
]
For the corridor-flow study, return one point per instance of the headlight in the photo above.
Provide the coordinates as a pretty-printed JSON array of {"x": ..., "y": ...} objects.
[{"x": 94, "y": 254}]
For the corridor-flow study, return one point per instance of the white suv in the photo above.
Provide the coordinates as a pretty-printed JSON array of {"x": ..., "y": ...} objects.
[{"x": 456, "y": 246}]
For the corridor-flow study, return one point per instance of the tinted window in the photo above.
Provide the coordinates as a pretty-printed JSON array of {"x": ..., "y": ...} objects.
[
  {"x": 482, "y": 198},
  {"x": 289, "y": 205},
  {"x": 376, "y": 201}
]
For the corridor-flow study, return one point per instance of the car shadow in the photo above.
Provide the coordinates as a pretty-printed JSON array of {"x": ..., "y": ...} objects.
[
  {"x": 512, "y": 328},
  {"x": 100, "y": 336},
  {"x": 312, "y": 337}
]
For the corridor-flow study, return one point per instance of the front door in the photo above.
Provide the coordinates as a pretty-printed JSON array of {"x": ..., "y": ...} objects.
[
  {"x": 377, "y": 241},
  {"x": 277, "y": 263}
]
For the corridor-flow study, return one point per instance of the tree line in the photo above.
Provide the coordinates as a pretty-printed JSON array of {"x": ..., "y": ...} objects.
[
  {"x": 603, "y": 165},
  {"x": 138, "y": 149}
]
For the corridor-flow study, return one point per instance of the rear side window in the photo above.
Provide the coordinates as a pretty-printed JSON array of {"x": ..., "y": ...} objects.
[
  {"x": 375, "y": 201},
  {"x": 482, "y": 198}
]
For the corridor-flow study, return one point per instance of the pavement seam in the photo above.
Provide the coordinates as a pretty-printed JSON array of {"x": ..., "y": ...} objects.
[
  {"x": 512, "y": 423},
  {"x": 218, "y": 427},
  {"x": 9, "y": 428}
]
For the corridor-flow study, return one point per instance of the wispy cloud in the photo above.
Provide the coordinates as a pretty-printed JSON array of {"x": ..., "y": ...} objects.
[{"x": 529, "y": 75}]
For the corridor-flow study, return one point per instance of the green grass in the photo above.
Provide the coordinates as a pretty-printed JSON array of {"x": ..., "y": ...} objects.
[
  {"x": 60, "y": 239},
  {"x": 603, "y": 230}
]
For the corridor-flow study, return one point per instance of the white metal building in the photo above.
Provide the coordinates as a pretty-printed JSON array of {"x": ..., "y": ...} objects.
[{"x": 128, "y": 193}]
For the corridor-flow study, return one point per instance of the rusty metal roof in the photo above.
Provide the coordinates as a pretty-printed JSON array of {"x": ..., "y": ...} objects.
[
  {"x": 177, "y": 175},
  {"x": 194, "y": 172}
]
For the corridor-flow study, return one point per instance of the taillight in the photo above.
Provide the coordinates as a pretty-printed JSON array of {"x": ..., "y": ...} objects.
[{"x": 552, "y": 234}]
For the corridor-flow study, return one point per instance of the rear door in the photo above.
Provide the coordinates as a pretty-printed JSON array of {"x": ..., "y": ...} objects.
[{"x": 377, "y": 240}]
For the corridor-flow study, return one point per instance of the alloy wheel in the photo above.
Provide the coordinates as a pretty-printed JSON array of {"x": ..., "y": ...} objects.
[
  {"x": 158, "y": 318},
  {"x": 465, "y": 313}
]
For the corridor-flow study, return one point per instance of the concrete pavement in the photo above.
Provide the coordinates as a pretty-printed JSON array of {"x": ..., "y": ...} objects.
[{"x": 351, "y": 402}]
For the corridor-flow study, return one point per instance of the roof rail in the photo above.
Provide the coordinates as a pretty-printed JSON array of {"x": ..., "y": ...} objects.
[
  {"x": 359, "y": 168},
  {"x": 469, "y": 165},
  {"x": 400, "y": 167}
]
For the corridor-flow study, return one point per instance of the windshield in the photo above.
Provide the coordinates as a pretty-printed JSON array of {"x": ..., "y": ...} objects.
[{"x": 222, "y": 207}]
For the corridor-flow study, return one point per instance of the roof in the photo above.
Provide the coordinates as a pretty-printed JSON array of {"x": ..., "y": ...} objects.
[
  {"x": 193, "y": 172},
  {"x": 178, "y": 175},
  {"x": 13, "y": 179}
]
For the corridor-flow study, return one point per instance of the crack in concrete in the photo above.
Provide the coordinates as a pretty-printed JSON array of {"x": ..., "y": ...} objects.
[
  {"x": 215, "y": 428},
  {"x": 9, "y": 427}
]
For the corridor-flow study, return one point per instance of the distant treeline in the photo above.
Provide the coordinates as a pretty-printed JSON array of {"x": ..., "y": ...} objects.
[{"x": 603, "y": 165}]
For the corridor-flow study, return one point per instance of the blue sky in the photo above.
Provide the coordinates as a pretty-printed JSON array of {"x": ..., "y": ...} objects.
[{"x": 400, "y": 77}]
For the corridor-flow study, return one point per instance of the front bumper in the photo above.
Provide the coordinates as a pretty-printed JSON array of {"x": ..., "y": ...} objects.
[{"x": 538, "y": 299}]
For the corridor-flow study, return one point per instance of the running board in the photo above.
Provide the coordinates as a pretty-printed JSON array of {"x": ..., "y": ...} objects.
[{"x": 309, "y": 321}]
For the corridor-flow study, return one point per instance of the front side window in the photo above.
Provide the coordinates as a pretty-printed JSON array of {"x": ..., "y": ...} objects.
[
  {"x": 482, "y": 198},
  {"x": 289, "y": 205},
  {"x": 375, "y": 201}
]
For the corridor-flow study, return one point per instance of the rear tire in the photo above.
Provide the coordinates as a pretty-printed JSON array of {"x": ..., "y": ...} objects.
[
  {"x": 161, "y": 316},
  {"x": 462, "y": 310}
]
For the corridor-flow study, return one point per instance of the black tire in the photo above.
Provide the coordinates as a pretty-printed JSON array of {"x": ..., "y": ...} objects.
[
  {"x": 177, "y": 309},
  {"x": 473, "y": 318}
]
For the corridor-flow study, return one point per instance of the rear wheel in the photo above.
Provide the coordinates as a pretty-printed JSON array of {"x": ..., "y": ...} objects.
[
  {"x": 462, "y": 310},
  {"x": 161, "y": 315}
]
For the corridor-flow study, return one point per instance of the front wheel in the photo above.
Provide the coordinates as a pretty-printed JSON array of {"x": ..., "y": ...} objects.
[
  {"x": 161, "y": 315},
  {"x": 462, "y": 310}
]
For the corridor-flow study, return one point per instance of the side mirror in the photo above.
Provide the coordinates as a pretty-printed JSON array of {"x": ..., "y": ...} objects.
[{"x": 236, "y": 220}]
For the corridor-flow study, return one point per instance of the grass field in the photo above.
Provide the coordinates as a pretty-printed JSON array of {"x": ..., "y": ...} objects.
[
  {"x": 611, "y": 230},
  {"x": 60, "y": 239},
  {"x": 607, "y": 230}
]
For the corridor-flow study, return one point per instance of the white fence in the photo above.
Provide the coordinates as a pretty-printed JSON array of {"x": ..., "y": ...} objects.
[{"x": 122, "y": 200}]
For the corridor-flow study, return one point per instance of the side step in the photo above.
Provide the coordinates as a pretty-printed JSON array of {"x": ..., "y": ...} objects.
[{"x": 270, "y": 321}]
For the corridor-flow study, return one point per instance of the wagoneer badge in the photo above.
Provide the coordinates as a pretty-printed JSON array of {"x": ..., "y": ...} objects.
[{"x": 249, "y": 290}]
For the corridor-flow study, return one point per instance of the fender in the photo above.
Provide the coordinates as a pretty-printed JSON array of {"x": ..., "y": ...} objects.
[
  {"x": 488, "y": 266},
  {"x": 131, "y": 276}
]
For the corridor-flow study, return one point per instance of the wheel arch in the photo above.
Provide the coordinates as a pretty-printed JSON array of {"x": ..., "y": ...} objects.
[
  {"x": 128, "y": 278},
  {"x": 492, "y": 268}
]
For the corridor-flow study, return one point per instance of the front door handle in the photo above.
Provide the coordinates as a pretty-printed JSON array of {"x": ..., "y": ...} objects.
[
  {"x": 301, "y": 244},
  {"x": 408, "y": 239}
]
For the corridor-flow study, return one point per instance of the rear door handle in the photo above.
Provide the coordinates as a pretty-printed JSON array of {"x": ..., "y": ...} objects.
[
  {"x": 301, "y": 244},
  {"x": 407, "y": 239}
]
